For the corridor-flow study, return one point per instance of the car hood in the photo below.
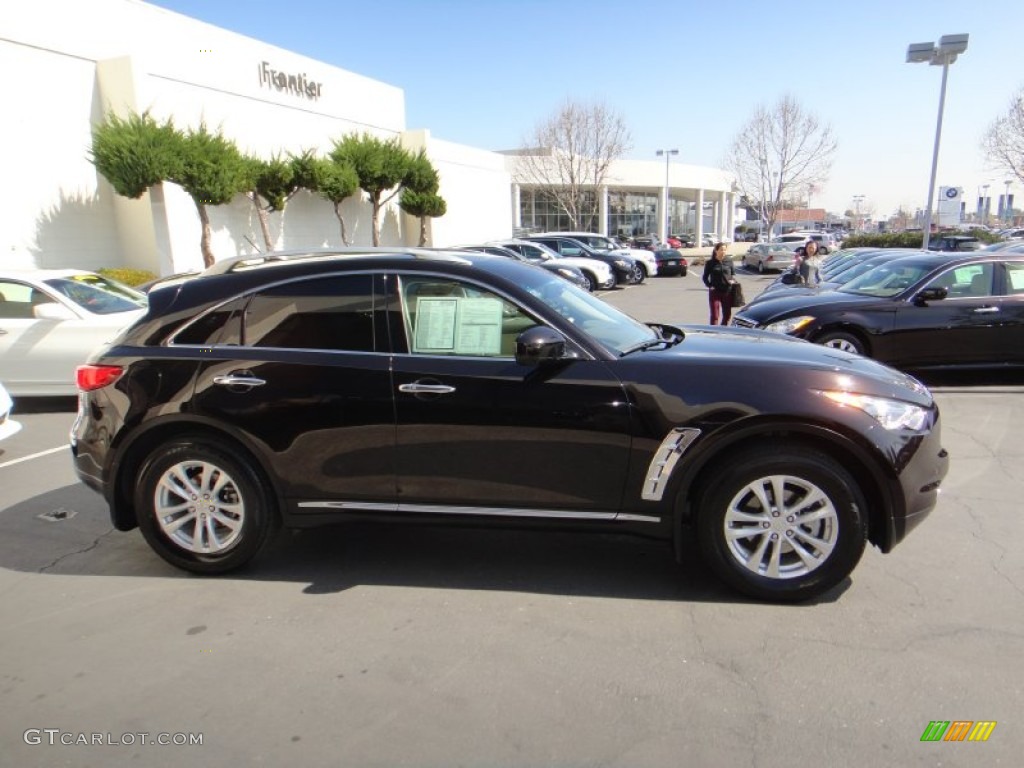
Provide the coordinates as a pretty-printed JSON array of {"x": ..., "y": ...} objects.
[
  {"x": 746, "y": 355},
  {"x": 788, "y": 302}
]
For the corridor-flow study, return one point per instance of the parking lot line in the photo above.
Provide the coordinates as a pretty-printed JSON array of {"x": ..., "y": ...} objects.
[{"x": 33, "y": 456}]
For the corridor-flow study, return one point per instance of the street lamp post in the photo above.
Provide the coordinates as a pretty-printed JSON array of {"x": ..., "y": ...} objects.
[
  {"x": 666, "y": 219},
  {"x": 944, "y": 54}
]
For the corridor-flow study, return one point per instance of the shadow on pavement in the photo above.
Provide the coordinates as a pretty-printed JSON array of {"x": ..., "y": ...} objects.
[{"x": 74, "y": 537}]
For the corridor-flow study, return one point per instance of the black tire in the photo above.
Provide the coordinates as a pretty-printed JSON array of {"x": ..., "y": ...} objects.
[
  {"x": 832, "y": 539},
  {"x": 242, "y": 514},
  {"x": 841, "y": 340},
  {"x": 639, "y": 273},
  {"x": 760, "y": 267},
  {"x": 591, "y": 281},
  {"x": 682, "y": 271}
]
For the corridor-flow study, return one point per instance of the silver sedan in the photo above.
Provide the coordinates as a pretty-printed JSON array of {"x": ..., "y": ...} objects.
[{"x": 765, "y": 256}]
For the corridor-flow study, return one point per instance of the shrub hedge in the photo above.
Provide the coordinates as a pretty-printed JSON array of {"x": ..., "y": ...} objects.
[
  {"x": 130, "y": 277},
  {"x": 908, "y": 239}
]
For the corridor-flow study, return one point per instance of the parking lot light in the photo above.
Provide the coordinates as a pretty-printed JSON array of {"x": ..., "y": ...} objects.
[{"x": 944, "y": 54}]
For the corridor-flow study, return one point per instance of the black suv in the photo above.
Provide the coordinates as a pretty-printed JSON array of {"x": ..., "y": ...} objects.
[{"x": 408, "y": 385}]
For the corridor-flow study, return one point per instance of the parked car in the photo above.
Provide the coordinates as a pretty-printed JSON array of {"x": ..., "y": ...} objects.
[
  {"x": 708, "y": 240},
  {"x": 566, "y": 271},
  {"x": 404, "y": 385},
  {"x": 8, "y": 426},
  {"x": 626, "y": 270},
  {"x": 919, "y": 311},
  {"x": 598, "y": 274},
  {"x": 843, "y": 274},
  {"x": 765, "y": 256},
  {"x": 826, "y": 242},
  {"x": 50, "y": 320},
  {"x": 950, "y": 243},
  {"x": 643, "y": 257},
  {"x": 833, "y": 265},
  {"x": 671, "y": 262},
  {"x": 687, "y": 240}
]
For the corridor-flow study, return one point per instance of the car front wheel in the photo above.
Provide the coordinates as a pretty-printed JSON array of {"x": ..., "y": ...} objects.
[
  {"x": 201, "y": 509},
  {"x": 847, "y": 342},
  {"x": 639, "y": 273},
  {"x": 786, "y": 526}
]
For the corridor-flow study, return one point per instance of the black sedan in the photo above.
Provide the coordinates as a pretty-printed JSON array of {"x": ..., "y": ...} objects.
[
  {"x": 405, "y": 385},
  {"x": 671, "y": 263},
  {"x": 921, "y": 311}
]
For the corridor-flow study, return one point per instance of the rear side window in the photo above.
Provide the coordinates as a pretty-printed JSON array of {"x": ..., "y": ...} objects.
[{"x": 331, "y": 313}]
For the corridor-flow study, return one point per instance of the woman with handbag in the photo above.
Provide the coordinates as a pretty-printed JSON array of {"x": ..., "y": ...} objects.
[{"x": 719, "y": 278}]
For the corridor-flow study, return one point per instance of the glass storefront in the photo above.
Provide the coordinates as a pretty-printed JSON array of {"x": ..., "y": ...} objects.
[
  {"x": 631, "y": 214},
  {"x": 540, "y": 212}
]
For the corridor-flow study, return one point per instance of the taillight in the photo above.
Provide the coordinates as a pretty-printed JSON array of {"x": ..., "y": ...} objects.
[{"x": 90, "y": 377}]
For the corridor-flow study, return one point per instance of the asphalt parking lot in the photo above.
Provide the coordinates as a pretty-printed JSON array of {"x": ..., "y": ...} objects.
[{"x": 357, "y": 646}]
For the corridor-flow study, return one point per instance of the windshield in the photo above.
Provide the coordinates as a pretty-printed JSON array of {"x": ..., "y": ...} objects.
[
  {"x": 98, "y": 294},
  {"x": 598, "y": 242},
  {"x": 612, "y": 328},
  {"x": 887, "y": 279}
]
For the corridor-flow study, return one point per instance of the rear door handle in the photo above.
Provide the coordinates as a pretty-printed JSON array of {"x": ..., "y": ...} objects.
[
  {"x": 985, "y": 310},
  {"x": 239, "y": 379}
]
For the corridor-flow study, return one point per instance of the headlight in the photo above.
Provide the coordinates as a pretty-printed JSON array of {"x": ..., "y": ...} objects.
[
  {"x": 622, "y": 264},
  {"x": 790, "y": 324},
  {"x": 891, "y": 414}
]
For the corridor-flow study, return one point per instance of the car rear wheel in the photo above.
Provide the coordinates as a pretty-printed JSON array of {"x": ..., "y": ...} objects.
[
  {"x": 639, "y": 273},
  {"x": 787, "y": 525},
  {"x": 201, "y": 509},
  {"x": 760, "y": 267},
  {"x": 592, "y": 284},
  {"x": 847, "y": 342}
]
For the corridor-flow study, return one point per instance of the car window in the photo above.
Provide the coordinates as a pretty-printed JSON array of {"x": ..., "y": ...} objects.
[
  {"x": 451, "y": 317},
  {"x": 886, "y": 279},
  {"x": 14, "y": 300},
  {"x": 968, "y": 281},
  {"x": 332, "y": 313},
  {"x": 1014, "y": 277},
  {"x": 97, "y": 294}
]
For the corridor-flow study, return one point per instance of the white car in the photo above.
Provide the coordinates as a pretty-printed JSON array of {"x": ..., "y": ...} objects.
[
  {"x": 8, "y": 426},
  {"x": 50, "y": 322},
  {"x": 598, "y": 274},
  {"x": 645, "y": 258}
]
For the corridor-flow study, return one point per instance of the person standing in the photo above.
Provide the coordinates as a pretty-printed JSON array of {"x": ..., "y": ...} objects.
[
  {"x": 810, "y": 263},
  {"x": 719, "y": 277}
]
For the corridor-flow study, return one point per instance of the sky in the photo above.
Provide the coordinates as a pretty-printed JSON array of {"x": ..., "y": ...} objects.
[{"x": 685, "y": 75}]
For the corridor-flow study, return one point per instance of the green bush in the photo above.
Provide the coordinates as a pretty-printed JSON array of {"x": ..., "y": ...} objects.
[
  {"x": 908, "y": 239},
  {"x": 127, "y": 276}
]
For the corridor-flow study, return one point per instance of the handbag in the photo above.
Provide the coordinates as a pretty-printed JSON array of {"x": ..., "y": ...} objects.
[{"x": 736, "y": 294}]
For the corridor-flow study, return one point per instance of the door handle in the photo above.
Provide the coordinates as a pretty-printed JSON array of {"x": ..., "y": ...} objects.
[
  {"x": 985, "y": 310},
  {"x": 431, "y": 389},
  {"x": 238, "y": 380}
]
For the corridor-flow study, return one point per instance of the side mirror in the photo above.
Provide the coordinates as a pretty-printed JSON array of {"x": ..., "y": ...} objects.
[
  {"x": 539, "y": 345},
  {"x": 930, "y": 294},
  {"x": 51, "y": 310}
]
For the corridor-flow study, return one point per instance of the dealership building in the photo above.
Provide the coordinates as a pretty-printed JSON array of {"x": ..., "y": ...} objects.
[{"x": 68, "y": 64}]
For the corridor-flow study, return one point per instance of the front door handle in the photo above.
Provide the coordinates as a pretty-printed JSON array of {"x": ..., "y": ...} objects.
[
  {"x": 985, "y": 310},
  {"x": 431, "y": 389}
]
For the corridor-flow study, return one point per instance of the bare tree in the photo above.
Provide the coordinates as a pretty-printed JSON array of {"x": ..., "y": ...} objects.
[
  {"x": 781, "y": 151},
  {"x": 1003, "y": 142},
  {"x": 568, "y": 156}
]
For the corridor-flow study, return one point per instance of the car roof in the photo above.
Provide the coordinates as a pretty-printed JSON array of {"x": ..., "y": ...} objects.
[{"x": 42, "y": 274}]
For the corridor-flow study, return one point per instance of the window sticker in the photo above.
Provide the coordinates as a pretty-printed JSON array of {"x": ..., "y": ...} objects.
[{"x": 457, "y": 325}]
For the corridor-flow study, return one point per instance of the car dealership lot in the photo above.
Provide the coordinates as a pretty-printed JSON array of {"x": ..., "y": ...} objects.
[{"x": 430, "y": 646}]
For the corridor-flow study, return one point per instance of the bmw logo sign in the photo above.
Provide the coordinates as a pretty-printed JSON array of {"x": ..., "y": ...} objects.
[{"x": 951, "y": 192}]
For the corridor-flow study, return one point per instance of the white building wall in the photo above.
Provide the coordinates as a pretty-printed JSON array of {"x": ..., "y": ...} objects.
[{"x": 475, "y": 186}]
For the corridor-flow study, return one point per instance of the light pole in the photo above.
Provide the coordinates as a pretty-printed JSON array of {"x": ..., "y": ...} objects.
[
  {"x": 667, "y": 218},
  {"x": 944, "y": 54}
]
